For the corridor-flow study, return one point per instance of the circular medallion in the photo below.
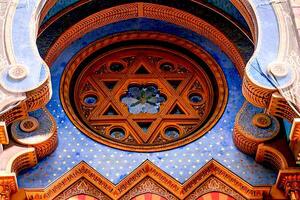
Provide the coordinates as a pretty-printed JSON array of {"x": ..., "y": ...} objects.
[
  {"x": 143, "y": 97},
  {"x": 261, "y": 120},
  {"x": 29, "y": 124},
  {"x": 17, "y": 72},
  {"x": 279, "y": 69}
]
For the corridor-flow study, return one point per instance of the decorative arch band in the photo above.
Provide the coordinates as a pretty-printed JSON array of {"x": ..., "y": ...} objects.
[{"x": 145, "y": 10}]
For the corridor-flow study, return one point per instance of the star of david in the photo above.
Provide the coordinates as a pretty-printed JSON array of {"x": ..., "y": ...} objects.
[{"x": 172, "y": 95}]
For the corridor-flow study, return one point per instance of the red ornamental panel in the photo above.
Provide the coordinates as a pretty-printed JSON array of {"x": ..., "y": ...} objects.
[
  {"x": 148, "y": 196},
  {"x": 216, "y": 196}
]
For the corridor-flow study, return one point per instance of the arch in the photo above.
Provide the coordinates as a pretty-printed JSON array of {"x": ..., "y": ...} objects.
[
  {"x": 82, "y": 197},
  {"x": 148, "y": 196},
  {"x": 215, "y": 196},
  {"x": 150, "y": 11}
]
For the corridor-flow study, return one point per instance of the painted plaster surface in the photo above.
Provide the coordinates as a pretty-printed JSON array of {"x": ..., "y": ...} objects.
[
  {"x": 25, "y": 50},
  {"x": 268, "y": 42},
  {"x": 114, "y": 164},
  {"x": 245, "y": 121},
  {"x": 42, "y": 133}
]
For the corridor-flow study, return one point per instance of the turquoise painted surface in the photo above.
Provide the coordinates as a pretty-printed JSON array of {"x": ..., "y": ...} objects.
[{"x": 114, "y": 164}]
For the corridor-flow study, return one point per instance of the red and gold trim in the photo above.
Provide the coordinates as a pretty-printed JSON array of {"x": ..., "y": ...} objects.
[
  {"x": 247, "y": 12},
  {"x": 256, "y": 95},
  {"x": 147, "y": 10},
  {"x": 148, "y": 196},
  {"x": 39, "y": 97},
  {"x": 270, "y": 155},
  {"x": 279, "y": 107},
  {"x": 82, "y": 197},
  {"x": 215, "y": 196},
  {"x": 213, "y": 177},
  {"x": 289, "y": 182}
]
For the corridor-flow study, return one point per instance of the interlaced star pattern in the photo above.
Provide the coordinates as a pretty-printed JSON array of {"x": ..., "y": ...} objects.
[{"x": 144, "y": 97}]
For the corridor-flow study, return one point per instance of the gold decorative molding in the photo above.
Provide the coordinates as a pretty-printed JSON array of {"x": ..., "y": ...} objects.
[
  {"x": 243, "y": 143},
  {"x": 16, "y": 158},
  {"x": 255, "y": 94},
  {"x": 44, "y": 145},
  {"x": 270, "y": 155},
  {"x": 279, "y": 107},
  {"x": 244, "y": 140},
  {"x": 39, "y": 97},
  {"x": 12, "y": 161},
  {"x": 8, "y": 186},
  {"x": 295, "y": 139},
  {"x": 3, "y": 134},
  {"x": 17, "y": 113},
  {"x": 149, "y": 170},
  {"x": 247, "y": 12},
  {"x": 289, "y": 182},
  {"x": 35, "y": 99},
  {"x": 147, "y": 10},
  {"x": 48, "y": 6}
]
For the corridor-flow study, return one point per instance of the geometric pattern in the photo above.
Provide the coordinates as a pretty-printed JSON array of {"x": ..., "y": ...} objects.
[
  {"x": 143, "y": 98},
  {"x": 148, "y": 178}
]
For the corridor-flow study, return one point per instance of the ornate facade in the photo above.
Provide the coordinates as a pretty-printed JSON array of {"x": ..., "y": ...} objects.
[{"x": 149, "y": 100}]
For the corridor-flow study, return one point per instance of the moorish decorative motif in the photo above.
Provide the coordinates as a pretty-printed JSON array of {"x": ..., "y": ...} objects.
[
  {"x": 38, "y": 130},
  {"x": 147, "y": 10},
  {"x": 148, "y": 178},
  {"x": 253, "y": 127},
  {"x": 143, "y": 98}
]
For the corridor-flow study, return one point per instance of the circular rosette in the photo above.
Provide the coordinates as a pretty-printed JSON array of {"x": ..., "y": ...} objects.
[{"x": 144, "y": 98}]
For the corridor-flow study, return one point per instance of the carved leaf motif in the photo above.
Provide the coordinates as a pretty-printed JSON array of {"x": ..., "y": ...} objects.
[
  {"x": 129, "y": 60},
  {"x": 101, "y": 128},
  {"x": 82, "y": 186},
  {"x": 86, "y": 111},
  {"x": 200, "y": 108},
  {"x": 148, "y": 186},
  {"x": 154, "y": 60},
  {"x": 101, "y": 70},
  {"x": 214, "y": 185},
  {"x": 130, "y": 140},
  {"x": 182, "y": 70},
  {"x": 197, "y": 86},
  {"x": 87, "y": 87},
  {"x": 188, "y": 127}
]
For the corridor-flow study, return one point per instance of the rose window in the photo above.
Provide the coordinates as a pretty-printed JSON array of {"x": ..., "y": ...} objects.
[{"x": 144, "y": 98}]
